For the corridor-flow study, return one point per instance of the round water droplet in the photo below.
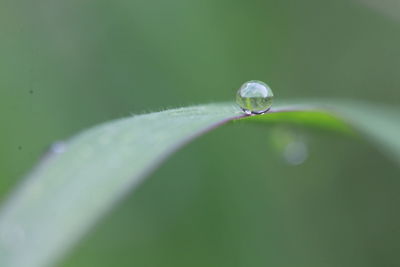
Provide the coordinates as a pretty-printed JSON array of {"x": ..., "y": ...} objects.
[
  {"x": 296, "y": 153},
  {"x": 254, "y": 97}
]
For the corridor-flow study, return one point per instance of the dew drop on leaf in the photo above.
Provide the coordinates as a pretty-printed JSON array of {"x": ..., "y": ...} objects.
[{"x": 254, "y": 97}]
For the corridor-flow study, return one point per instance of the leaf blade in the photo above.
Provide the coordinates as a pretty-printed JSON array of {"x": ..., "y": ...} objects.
[{"x": 68, "y": 192}]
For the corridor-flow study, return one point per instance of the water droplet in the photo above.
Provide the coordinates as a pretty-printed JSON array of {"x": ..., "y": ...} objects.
[
  {"x": 296, "y": 153},
  {"x": 58, "y": 147},
  {"x": 290, "y": 143},
  {"x": 254, "y": 97}
]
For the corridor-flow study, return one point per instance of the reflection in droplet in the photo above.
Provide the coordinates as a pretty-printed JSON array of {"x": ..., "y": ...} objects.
[
  {"x": 295, "y": 153},
  {"x": 254, "y": 97}
]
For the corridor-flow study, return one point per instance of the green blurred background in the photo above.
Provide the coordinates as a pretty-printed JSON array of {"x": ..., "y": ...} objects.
[{"x": 233, "y": 197}]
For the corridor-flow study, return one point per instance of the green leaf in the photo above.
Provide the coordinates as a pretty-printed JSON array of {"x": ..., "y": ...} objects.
[
  {"x": 68, "y": 192},
  {"x": 379, "y": 123}
]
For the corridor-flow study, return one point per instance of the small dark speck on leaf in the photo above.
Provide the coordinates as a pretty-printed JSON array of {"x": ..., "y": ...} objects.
[
  {"x": 19, "y": 147},
  {"x": 31, "y": 92}
]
